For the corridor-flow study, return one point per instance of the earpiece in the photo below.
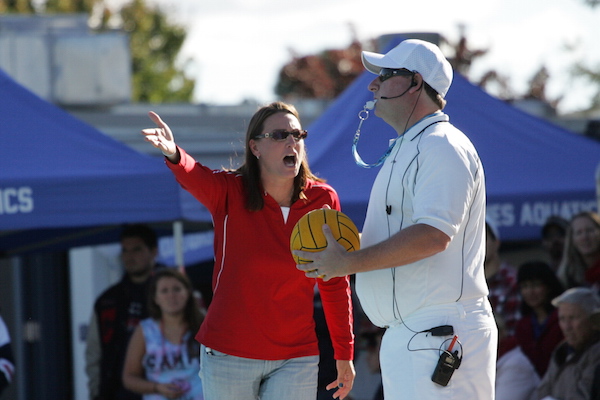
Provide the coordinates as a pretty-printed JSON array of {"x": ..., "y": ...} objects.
[{"x": 413, "y": 82}]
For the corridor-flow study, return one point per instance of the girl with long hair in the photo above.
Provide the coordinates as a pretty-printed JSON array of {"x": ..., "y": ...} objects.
[
  {"x": 162, "y": 359},
  {"x": 581, "y": 258}
]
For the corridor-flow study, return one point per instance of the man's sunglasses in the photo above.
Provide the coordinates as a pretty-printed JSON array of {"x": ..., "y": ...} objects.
[
  {"x": 282, "y": 134},
  {"x": 387, "y": 73}
]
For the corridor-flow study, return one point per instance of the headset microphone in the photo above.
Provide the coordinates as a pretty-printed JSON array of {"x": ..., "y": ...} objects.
[
  {"x": 395, "y": 97},
  {"x": 413, "y": 83}
]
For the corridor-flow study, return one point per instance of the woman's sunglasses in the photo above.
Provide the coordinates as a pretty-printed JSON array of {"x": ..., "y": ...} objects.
[{"x": 282, "y": 134}]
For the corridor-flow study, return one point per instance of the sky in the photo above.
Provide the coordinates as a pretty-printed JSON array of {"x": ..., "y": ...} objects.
[{"x": 235, "y": 48}]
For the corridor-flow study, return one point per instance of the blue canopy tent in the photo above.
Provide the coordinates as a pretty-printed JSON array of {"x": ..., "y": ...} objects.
[
  {"x": 64, "y": 183},
  {"x": 533, "y": 168}
]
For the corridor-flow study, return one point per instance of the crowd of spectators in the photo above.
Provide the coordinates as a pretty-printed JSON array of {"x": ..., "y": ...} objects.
[{"x": 554, "y": 351}]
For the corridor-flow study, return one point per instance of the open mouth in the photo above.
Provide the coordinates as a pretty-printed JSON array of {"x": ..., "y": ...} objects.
[{"x": 289, "y": 161}]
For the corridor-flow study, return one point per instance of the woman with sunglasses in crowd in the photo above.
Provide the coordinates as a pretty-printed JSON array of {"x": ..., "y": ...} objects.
[{"x": 258, "y": 338}]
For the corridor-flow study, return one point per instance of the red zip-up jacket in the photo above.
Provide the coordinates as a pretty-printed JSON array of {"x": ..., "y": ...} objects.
[{"x": 262, "y": 306}]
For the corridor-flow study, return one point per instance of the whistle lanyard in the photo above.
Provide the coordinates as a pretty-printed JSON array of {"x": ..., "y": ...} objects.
[{"x": 363, "y": 115}]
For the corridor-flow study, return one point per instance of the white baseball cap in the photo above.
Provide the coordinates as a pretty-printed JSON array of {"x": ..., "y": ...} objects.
[{"x": 414, "y": 55}]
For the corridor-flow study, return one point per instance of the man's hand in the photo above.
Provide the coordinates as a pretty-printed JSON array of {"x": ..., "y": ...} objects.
[{"x": 331, "y": 262}]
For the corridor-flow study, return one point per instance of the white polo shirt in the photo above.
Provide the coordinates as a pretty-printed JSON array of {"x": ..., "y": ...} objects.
[{"x": 433, "y": 176}]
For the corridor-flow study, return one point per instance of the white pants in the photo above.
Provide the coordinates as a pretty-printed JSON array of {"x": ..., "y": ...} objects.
[{"x": 408, "y": 359}]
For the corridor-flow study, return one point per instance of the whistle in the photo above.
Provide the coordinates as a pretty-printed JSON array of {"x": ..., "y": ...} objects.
[{"x": 369, "y": 105}]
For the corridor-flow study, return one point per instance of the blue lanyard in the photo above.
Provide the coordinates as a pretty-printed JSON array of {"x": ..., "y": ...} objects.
[
  {"x": 363, "y": 115},
  {"x": 381, "y": 160}
]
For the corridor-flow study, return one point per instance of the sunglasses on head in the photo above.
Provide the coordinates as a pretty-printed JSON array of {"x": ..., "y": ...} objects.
[
  {"x": 282, "y": 134},
  {"x": 387, "y": 73}
]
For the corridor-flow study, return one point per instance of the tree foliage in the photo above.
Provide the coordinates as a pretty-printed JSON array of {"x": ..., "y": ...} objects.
[
  {"x": 69, "y": 6},
  {"x": 321, "y": 76},
  {"x": 16, "y": 6},
  {"x": 155, "y": 42}
]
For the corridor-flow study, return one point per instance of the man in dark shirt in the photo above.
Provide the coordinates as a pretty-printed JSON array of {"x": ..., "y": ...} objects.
[{"x": 117, "y": 311}]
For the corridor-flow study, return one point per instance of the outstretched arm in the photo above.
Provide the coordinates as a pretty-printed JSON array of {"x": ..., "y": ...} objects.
[{"x": 162, "y": 138}]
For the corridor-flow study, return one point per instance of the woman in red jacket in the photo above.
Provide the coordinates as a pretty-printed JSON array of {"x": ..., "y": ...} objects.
[
  {"x": 258, "y": 338},
  {"x": 538, "y": 332}
]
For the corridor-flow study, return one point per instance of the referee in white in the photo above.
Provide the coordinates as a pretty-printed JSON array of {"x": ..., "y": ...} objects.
[{"x": 420, "y": 270}]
